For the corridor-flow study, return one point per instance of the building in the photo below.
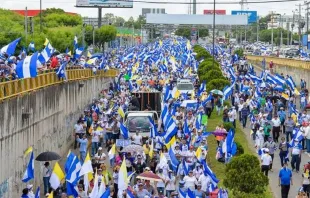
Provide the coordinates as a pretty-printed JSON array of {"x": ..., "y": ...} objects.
[{"x": 153, "y": 11}]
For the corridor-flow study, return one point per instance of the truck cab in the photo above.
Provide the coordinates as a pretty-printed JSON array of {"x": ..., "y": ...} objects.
[
  {"x": 139, "y": 121},
  {"x": 185, "y": 86}
]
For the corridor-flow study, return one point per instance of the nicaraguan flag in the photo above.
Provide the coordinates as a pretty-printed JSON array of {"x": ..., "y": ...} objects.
[
  {"x": 29, "y": 173},
  {"x": 257, "y": 93},
  {"x": 74, "y": 171},
  {"x": 297, "y": 136},
  {"x": 10, "y": 48},
  {"x": 185, "y": 167},
  {"x": 124, "y": 131},
  {"x": 61, "y": 72},
  {"x": 75, "y": 42},
  {"x": 279, "y": 79},
  {"x": 290, "y": 82},
  {"x": 271, "y": 79},
  {"x": 27, "y": 68},
  {"x": 185, "y": 128},
  {"x": 208, "y": 172},
  {"x": 31, "y": 47},
  {"x": 129, "y": 194},
  {"x": 171, "y": 130},
  {"x": 229, "y": 144},
  {"x": 190, "y": 194},
  {"x": 153, "y": 129},
  {"x": 68, "y": 162},
  {"x": 78, "y": 52},
  {"x": 255, "y": 78},
  {"x": 182, "y": 194},
  {"x": 198, "y": 121},
  {"x": 164, "y": 115},
  {"x": 228, "y": 91},
  {"x": 202, "y": 88},
  {"x": 37, "y": 195},
  {"x": 173, "y": 160},
  {"x": 46, "y": 53},
  {"x": 71, "y": 190}
]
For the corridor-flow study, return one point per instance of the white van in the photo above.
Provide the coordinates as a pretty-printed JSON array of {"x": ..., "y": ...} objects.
[{"x": 185, "y": 86}]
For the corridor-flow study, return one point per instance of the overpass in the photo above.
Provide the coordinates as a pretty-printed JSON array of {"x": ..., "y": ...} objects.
[
  {"x": 41, "y": 112},
  {"x": 298, "y": 69}
]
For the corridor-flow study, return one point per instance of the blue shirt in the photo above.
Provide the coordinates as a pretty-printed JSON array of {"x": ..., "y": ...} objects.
[
  {"x": 83, "y": 146},
  {"x": 285, "y": 175}
]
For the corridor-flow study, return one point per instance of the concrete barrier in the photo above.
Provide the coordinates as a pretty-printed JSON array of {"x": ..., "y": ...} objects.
[{"x": 43, "y": 119}]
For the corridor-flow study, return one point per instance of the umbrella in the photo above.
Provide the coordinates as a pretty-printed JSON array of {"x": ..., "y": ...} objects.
[
  {"x": 133, "y": 148},
  {"x": 48, "y": 156},
  {"x": 148, "y": 175},
  {"x": 217, "y": 92}
]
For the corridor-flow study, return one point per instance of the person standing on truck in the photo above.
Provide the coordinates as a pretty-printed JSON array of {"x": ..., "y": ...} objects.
[{"x": 135, "y": 102}]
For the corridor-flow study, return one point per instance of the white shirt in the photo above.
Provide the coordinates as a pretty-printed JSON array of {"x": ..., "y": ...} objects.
[
  {"x": 190, "y": 182},
  {"x": 276, "y": 122},
  {"x": 171, "y": 183},
  {"x": 47, "y": 172},
  {"x": 78, "y": 128},
  {"x": 95, "y": 136},
  {"x": 137, "y": 139},
  {"x": 204, "y": 180},
  {"x": 100, "y": 158},
  {"x": 266, "y": 159}
]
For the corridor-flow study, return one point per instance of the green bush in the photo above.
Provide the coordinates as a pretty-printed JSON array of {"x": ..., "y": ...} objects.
[
  {"x": 217, "y": 84},
  {"x": 228, "y": 126},
  {"x": 203, "y": 55},
  {"x": 214, "y": 74},
  {"x": 243, "y": 175},
  {"x": 239, "y": 52},
  {"x": 238, "y": 194},
  {"x": 240, "y": 149},
  {"x": 227, "y": 103},
  {"x": 206, "y": 66}
]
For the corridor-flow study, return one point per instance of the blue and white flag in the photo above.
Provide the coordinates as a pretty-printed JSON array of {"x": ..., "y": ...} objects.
[
  {"x": 37, "y": 195},
  {"x": 290, "y": 82},
  {"x": 198, "y": 121},
  {"x": 257, "y": 93},
  {"x": 29, "y": 173},
  {"x": 75, "y": 42},
  {"x": 173, "y": 160},
  {"x": 74, "y": 171},
  {"x": 129, "y": 194},
  {"x": 182, "y": 194},
  {"x": 185, "y": 128},
  {"x": 61, "y": 72},
  {"x": 153, "y": 129},
  {"x": 202, "y": 88},
  {"x": 255, "y": 78},
  {"x": 270, "y": 79},
  {"x": 229, "y": 144},
  {"x": 68, "y": 162},
  {"x": 171, "y": 129},
  {"x": 227, "y": 91},
  {"x": 72, "y": 190},
  {"x": 106, "y": 194},
  {"x": 164, "y": 114},
  {"x": 190, "y": 194},
  {"x": 31, "y": 47},
  {"x": 78, "y": 52},
  {"x": 27, "y": 68},
  {"x": 279, "y": 79},
  {"x": 296, "y": 136},
  {"x": 46, "y": 53},
  {"x": 185, "y": 167},
  {"x": 208, "y": 172},
  {"x": 124, "y": 131},
  {"x": 10, "y": 48}
]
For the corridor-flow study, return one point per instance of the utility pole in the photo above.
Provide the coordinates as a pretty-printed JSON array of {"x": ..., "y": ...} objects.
[
  {"x": 26, "y": 23},
  {"x": 194, "y": 6},
  {"x": 299, "y": 25},
  {"x": 94, "y": 37},
  {"x": 99, "y": 16},
  {"x": 40, "y": 16},
  {"x": 281, "y": 35},
  {"x": 288, "y": 32},
  {"x": 293, "y": 25},
  {"x": 307, "y": 15},
  {"x": 83, "y": 34},
  {"x": 257, "y": 29}
]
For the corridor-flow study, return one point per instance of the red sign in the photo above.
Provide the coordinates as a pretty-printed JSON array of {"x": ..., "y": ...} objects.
[{"x": 218, "y": 12}]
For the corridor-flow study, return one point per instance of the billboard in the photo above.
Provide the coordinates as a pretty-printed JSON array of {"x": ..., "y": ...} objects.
[
  {"x": 217, "y": 12},
  {"x": 252, "y": 15},
  {"x": 105, "y": 3}
]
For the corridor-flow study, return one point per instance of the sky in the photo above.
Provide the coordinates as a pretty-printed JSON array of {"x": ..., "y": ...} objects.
[{"x": 69, "y": 6}]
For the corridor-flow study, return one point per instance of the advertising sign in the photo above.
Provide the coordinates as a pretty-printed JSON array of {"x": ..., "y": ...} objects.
[
  {"x": 122, "y": 142},
  {"x": 105, "y": 3},
  {"x": 252, "y": 15},
  {"x": 217, "y": 12}
]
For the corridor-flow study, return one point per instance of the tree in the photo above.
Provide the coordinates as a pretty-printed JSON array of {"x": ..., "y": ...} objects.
[
  {"x": 239, "y": 52},
  {"x": 104, "y": 34},
  {"x": 139, "y": 22},
  {"x": 217, "y": 84},
  {"x": 109, "y": 18},
  {"x": 184, "y": 32},
  {"x": 130, "y": 22},
  {"x": 61, "y": 37},
  {"x": 203, "y": 32},
  {"x": 119, "y": 21},
  {"x": 243, "y": 175}
]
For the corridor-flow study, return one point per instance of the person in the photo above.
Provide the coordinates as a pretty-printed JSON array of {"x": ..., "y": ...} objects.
[
  {"x": 232, "y": 114},
  {"x": 267, "y": 129},
  {"x": 276, "y": 127},
  {"x": 205, "y": 181},
  {"x": 266, "y": 162},
  {"x": 139, "y": 165},
  {"x": 271, "y": 145},
  {"x": 244, "y": 115},
  {"x": 259, "y": 140},
  {"x": 25, "y": 193},
  {"x": 100, "y": 156},
  {"x": 307, "y": 137},
  {"x": 306, "y": 182},
  {"x": 170, "y": 183},
  {"x": 30, "y": 191},
  {"x": 285, "y": 180},
  {"x": 141, "y": 192},
  {"x": 161, "y": 184},
  {"x": 79, "y": 129},
  {"x": 81, "y": 192},
  {"x": 95, "y": 139},
  {"x": 137, "y": 138},
  {"x": 284, "y": 149},
  {"x": 198, "y": 192},
  {"x": 296, "y": 155},
  {"x": 47, "y": 171},
  {"x": 149, "y": 187},
  {"x": 301, "y": 194},
  {"x": 190, "y": 180},
  {"x": 282, "y": 116},
  {"x": 83, "y": 147},
  {"x": 289, "y": 127}
]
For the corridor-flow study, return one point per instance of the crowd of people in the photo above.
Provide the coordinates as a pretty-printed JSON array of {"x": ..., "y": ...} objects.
[{"x": 173, "y": 155}]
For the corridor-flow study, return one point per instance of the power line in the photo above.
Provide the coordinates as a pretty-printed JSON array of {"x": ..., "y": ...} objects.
[{"x": 186, "y": 3}]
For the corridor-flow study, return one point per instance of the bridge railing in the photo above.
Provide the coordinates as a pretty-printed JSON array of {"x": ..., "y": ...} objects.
[
  {"x": 18, "y": 87},
  {"x": 280, "y": 61}
]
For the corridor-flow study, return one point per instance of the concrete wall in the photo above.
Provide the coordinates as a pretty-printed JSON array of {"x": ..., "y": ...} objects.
[{"x": 52, "y": 113}]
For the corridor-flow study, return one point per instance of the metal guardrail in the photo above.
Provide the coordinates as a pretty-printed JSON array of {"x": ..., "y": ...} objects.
[
  {"x": 19, "y": 87},
  {"x": 280, "y": 61}
]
